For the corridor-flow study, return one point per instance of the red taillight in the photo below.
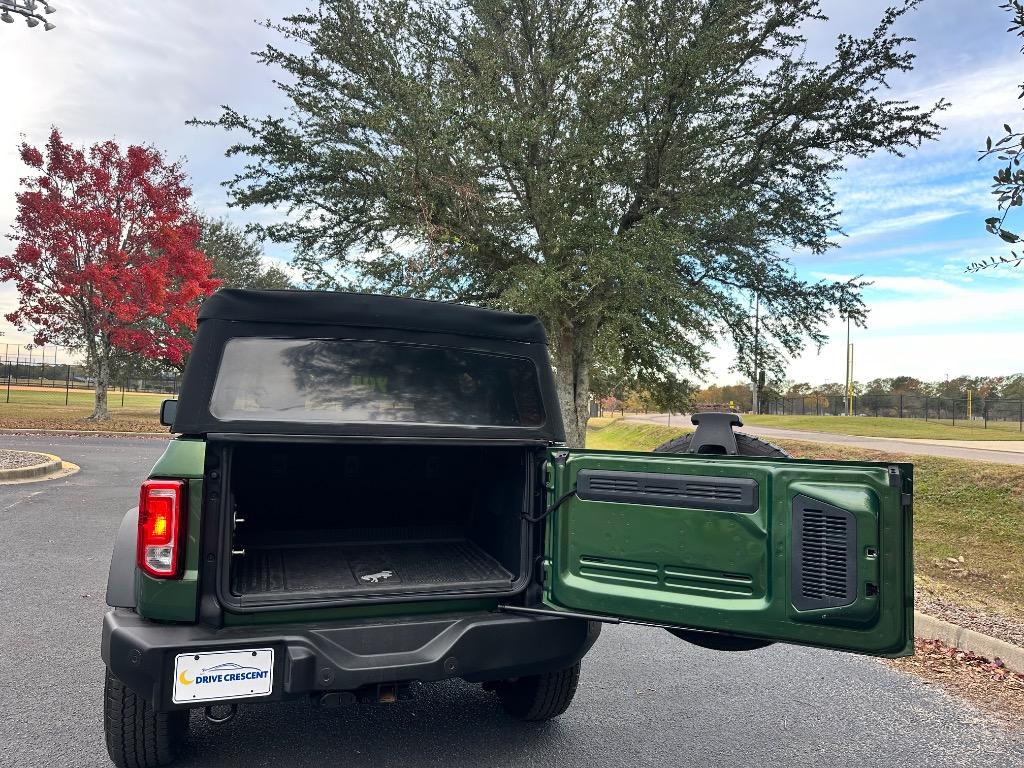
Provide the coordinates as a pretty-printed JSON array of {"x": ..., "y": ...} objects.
[{"x": 161, "y": 524}]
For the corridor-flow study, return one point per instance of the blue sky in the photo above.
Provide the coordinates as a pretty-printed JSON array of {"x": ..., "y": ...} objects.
[{"x": 913, "y": 223}]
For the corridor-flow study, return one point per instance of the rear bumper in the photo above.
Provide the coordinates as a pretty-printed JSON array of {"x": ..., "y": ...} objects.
[{"x": 345, "y": 656}]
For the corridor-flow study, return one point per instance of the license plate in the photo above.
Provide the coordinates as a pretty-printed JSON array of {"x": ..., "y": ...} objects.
[{"x": 223, "y": 675}]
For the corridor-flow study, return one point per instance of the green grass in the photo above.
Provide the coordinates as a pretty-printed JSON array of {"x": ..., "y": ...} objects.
[
  {"x": 45, "y": 409},
  {"x": 80, "y": 398},
  {"x": 870, "y": 426},
  {"x": 631, "y": 436},
  {"x": 968, "y": 509}
]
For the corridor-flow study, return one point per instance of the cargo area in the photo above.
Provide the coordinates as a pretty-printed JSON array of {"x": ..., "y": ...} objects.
[{"x": 322, "y": 522}]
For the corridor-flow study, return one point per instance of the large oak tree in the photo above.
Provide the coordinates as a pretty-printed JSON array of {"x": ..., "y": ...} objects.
[{"x": 632, "y": 171}]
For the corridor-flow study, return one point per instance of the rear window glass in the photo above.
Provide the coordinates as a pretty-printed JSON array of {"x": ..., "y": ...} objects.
[{"x": 343, "y": 381}]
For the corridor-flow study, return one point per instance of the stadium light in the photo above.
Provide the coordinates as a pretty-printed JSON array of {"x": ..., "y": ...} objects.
[{"x": 28, "y": 9}]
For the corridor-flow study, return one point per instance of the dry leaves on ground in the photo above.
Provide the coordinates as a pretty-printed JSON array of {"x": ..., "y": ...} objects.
[{"x": 986, "y": 683}]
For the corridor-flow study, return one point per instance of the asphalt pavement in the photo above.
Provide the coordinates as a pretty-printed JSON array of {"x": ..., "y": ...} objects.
[
  {"x": 995, "y": 451},
  {"x": 645, "y": 698}
]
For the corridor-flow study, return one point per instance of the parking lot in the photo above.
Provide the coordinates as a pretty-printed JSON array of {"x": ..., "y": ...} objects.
[{"x": 645, "y": 698}]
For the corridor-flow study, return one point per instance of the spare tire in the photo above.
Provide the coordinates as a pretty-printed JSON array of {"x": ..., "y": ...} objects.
[{"x": 746, "y": 445}]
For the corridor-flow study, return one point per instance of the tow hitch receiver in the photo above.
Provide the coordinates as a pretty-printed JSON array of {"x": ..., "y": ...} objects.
[
  {"x": 384, "y": 693},
  {"x": 221, "y": 713}
]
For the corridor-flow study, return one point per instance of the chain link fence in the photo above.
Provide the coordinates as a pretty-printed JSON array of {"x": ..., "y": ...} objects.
[
  {"x": 60, "y": 380},
  {"x": 990, "y": 412}
]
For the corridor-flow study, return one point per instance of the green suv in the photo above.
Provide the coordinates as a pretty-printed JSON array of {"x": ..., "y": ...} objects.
[{"x": 367, "y": 491}]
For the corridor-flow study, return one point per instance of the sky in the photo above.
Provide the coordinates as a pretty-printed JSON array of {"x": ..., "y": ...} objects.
[{"x": 137, "y": 71}]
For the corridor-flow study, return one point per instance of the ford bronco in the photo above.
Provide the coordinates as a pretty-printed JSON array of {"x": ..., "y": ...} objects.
[{"x": 366, "y": 491}]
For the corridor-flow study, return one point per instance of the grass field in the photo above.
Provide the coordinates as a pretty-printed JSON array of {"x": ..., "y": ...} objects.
[
  {"x": 870, "y": 426},
  {"x": 35, "y": 408},
  {"x": 967, "y": 509},
  {"x": 630, "y": 435}
]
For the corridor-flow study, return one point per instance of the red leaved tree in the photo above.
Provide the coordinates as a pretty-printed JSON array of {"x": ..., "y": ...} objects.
[{"x": 105, "y": 254}]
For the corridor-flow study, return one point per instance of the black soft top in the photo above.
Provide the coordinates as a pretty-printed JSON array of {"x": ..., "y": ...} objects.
[
  {"x": 364, "y": 310},
  {"x": 325, "y": 315}
]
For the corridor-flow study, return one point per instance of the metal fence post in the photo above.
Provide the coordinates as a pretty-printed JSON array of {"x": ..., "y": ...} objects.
[
  {"x": 67, "y": 386},
  {"x": 8, "y": 382},
  {"x": 901, "y": 406}
]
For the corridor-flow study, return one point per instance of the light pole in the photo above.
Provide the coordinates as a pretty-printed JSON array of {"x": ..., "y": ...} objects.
[
  {"x": 29, "y": 9},
  {"x": 758, "y": 383}
]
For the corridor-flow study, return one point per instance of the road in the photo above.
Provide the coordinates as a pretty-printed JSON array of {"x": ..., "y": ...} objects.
[
  {"x": 996, "y": 451},
  {"x": 645, "y": 698}
]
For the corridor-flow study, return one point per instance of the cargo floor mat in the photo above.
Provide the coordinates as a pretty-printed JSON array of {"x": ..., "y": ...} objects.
[{"x": 353, "y": 569}]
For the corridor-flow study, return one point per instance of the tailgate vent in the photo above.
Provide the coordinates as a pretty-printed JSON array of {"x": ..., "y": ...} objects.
[
  {"x": 824, "y": 553},
  {"x": 618, "y": 482},
  {"x": 715, "y": 491},
  {"x": 716, "y": 494}
]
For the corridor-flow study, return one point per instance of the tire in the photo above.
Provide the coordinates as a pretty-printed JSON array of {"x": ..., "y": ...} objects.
[
  {"x": 746, "y": 445},
  {"x": 539, "y": 697},
  {"x": 136, "y": 736}
]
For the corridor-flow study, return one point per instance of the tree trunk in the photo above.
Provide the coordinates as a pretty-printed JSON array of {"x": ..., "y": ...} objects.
[
  {"x": 573, "y": 354},
  {"x": 102, "y": 359}
]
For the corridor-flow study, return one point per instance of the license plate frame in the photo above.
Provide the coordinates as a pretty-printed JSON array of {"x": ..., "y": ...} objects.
[{"x": 200, "y": 677}]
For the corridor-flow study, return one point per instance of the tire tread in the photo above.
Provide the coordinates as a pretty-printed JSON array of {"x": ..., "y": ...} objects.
[
  {"x": 746, "y": 445},
  {"x": 540, "y": 697},
  {"x": 136, "y": 736}
]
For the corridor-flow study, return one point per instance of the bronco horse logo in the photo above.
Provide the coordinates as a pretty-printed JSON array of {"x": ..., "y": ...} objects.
[{"x": 375, "y": 578}]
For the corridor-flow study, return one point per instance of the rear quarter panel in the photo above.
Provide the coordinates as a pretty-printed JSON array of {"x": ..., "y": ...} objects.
[{"x": 177, "y": 599}]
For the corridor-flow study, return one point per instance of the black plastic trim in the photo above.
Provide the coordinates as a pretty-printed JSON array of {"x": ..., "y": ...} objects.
[
  {"x": 719, "y": 494},
  {"x": 829, "y": 579},
  {"x": 346, "y": 655},
  {"x": 714, "y": 433},
  {"x": 121, "y": 576}
]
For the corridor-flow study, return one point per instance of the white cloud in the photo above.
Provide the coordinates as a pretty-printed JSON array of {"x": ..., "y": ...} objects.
[
  {"x": 922, "y": 326},
  {"x": 981, "y": 100},
  {"x": 909, "y": 221},
  {"x": 134, "y": 72}
]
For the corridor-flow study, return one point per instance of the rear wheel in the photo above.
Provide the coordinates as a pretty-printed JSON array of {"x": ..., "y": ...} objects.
[
  {"x": 746, "y": 445},
  {"x": 136, "y": 735},
  {"x": 539, "y": 697}
]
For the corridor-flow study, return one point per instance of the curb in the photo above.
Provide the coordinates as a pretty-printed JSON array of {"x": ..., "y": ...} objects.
[
  {"x": 929, "y": 628},
  {"x": 51, "y": 467}
]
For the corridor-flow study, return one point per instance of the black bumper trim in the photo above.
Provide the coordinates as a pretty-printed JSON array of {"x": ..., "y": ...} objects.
[{"x": 343, "y": 656}]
